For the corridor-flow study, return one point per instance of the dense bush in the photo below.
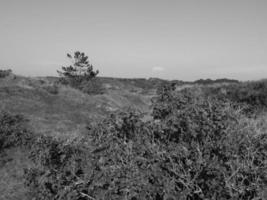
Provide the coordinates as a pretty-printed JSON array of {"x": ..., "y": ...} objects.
[
  {"x": 224, "y": 158},
  {"x": 251, "y": 95},
  {"x": 93, "y": 86},
  {"x": 13, "y": 131},
  {"x": 164, "y": 101},
  {"x": 197, "y": 147},
  {"x": 104, "y": 171},
  {"x": 57, "y": 169},
  {"x": 5, "y": 73}
]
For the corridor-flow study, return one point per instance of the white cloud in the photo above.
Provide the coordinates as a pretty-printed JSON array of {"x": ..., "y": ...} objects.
[{"x": 158, "y": 69}]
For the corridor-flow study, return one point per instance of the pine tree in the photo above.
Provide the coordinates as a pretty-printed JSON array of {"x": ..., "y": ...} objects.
[{"x": 79, "y": 71}]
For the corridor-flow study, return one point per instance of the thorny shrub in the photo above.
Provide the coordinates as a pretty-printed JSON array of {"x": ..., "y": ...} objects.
[
  {"x": 196, "y": 147},
  {"x": 225, "y": 158},
  {"x": 57, "y": 169}
]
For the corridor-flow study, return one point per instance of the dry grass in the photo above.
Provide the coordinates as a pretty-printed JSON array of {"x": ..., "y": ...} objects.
[{"x": 68, "y": 111}]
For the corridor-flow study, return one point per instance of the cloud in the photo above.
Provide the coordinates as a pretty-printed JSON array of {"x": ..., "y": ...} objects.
[{"x": 158, "y": 69}]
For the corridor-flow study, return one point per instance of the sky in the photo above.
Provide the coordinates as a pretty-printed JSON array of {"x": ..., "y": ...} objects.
[{"x": 170, "y": 39}]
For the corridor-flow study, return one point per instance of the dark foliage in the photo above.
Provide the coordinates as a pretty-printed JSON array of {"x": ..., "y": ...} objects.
[
  {"x": 5, "y": 73},
  {"x": 13, "y": 131},
  {"x": 210, "y": 81},
  {"x": 57, "y": 169},
  {"x": 251, "y": 95},
  {"x": 80, "y": 69},
  {"x": 164, "y": 101},
  {"x": 220, "y": 155}
]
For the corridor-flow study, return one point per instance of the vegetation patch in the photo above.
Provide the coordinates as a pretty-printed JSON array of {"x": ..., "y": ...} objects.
[
  {"x": 5, "y": 73},
  {"x": 13, "y": 131},
  {"x": 196, "y": 147},
  {"x": 199, "y": 143},
  {"x": 252, "y": 95}
]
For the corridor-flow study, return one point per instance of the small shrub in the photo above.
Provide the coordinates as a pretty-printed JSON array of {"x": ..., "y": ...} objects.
[
  {"x": 5, "y": 73},
  {"x": 52, "y": 89},
  {"x": 13, "y": 131},
  {"x": 163, "y": 102},
  {"x": 93, "y": 86}
]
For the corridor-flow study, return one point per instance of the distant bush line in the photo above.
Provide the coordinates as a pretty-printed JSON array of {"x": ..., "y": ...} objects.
[
  {"x": 210, "y": 81},
  {"x": 251, "y": 94}
]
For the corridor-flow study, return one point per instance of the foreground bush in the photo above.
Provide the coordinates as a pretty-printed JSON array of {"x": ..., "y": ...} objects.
[
  {"x": 57, "y": 169},
  {"x": 203, "y": 150},
  {"x": 223, "y": 156}
]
